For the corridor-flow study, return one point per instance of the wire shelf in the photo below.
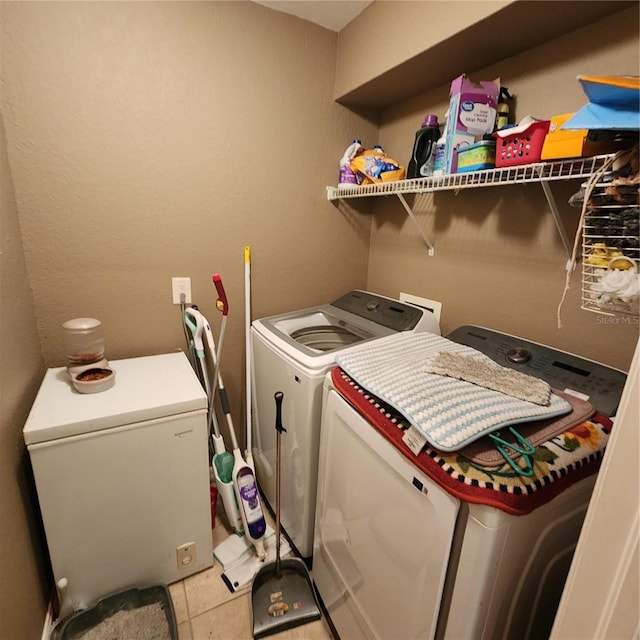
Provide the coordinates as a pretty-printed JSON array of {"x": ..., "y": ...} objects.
[
  {"x": 538, "y": 172},
  {"x": 541, "y": 172}
]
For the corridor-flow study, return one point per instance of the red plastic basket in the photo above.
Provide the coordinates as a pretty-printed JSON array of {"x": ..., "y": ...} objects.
[{"x": 521, "y": 145}]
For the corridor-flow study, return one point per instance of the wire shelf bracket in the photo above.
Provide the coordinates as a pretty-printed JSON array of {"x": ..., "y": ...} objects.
[{"x": 542, "y": 172}]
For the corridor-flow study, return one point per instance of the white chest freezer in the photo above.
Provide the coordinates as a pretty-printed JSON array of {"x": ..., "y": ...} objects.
[{"x": 123, "y": 477}]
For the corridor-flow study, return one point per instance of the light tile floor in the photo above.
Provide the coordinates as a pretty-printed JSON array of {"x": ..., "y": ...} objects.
[{"x": 206, "y": 610}]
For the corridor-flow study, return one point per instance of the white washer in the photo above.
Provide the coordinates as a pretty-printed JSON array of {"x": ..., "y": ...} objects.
[
  {"x": 393, "y": 562},
  {"x": 292, "y": 353}
]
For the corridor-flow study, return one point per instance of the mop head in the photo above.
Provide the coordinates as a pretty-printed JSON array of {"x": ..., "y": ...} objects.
[
  {"x": 224, "y": 466},
  {"x": 239, "y": 561},
  {"x": 234, "y": 550},
  {"x": 490, "y": 376},
  {"x": 241, "y": 575}
]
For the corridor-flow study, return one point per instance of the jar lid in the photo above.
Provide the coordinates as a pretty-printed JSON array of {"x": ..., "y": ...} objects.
[{"x": 81, "y": 324}]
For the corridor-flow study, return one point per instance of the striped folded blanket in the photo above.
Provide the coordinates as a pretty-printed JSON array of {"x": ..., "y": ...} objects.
[{"x": 449, "y": 412}]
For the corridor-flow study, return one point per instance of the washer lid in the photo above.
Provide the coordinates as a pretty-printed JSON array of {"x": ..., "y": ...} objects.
[{"x": 146, "y": 388}]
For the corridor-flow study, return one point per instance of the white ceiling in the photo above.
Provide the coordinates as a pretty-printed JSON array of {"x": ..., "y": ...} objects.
[{"x": 331, "y": 14}]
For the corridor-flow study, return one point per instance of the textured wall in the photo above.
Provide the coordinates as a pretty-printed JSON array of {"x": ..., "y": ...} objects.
[
  {"x": 387, "y": 34},
  {"x": 148, "y": 140},
  {"x": 151, "y": 140},
  {"x": 499, "y": 260},
  {"x": 144, "y": 141},
  {"x": 24, "y": 588}
]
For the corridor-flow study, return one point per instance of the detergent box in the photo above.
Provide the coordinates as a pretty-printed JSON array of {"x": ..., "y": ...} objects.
[
  {"x": 559, "y": 143},
  {"x": 472, "y": 114},
  {"x": 571, "y": 143}
]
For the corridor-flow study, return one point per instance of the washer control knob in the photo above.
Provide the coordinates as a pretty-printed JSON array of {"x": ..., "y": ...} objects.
[
  {"x": 518, "y": 356},
  {"x": 372, "y": 305}
]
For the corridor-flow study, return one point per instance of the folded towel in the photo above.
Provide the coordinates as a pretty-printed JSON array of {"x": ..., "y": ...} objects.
[
  {"x": 490, "y": 376},
  {"x": 450, "y": 413}
]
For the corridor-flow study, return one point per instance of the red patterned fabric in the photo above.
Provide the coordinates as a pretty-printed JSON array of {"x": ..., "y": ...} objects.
[{"x": 557, "y": 463}]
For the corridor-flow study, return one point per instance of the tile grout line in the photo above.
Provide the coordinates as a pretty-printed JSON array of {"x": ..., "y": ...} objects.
[{"x": 186, "y": 604}]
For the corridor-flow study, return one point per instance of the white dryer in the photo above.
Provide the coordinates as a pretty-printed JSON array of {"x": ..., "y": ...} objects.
[
  {"x": 291, "y": 353},
  {"x": 396, "y": 555}
]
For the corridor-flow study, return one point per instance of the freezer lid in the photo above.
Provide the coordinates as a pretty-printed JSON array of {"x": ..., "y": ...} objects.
[{"x": 146, "y": 388}]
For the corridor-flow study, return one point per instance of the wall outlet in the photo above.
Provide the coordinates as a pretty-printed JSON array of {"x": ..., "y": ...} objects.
[
  {"x": 178, "y": 286},
  {"x": 186, "y": 555}
]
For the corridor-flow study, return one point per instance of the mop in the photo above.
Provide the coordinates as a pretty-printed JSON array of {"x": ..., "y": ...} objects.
[
  {"x": 194, "y": 320},
  {"x": 191, "y": 354},
  {"x": 235, "y": 554},
  {"x": 282, "y": 594},
  {"x": 247, "y": 351},
  {"x": 251, "y": 405},
  {"x": 243, "y": 475},
  {"x": 222, "y": 460}
]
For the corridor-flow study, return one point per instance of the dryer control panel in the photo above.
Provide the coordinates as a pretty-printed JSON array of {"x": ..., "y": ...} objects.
[{"x": 598, "y": 383}]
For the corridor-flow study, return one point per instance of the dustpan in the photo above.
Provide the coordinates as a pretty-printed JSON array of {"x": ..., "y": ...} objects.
[{"x": 282, "y": 594}]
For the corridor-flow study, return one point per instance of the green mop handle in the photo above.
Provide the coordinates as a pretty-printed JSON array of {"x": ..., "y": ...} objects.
[{"x": 279, "y": 428}]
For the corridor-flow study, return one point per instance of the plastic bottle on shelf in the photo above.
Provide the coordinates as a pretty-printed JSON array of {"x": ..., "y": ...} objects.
[
  {"x": 346, "y": 176},
  {"x": 439, "y": 154},
  {"x": 426, "y": 138},
  {"x": 502, "y": 111}
]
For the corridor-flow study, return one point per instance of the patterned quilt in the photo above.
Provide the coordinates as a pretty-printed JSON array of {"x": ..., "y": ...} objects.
[{"x": 557, "y": 463}]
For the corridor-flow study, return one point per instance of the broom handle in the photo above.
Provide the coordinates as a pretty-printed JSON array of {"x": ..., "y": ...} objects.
[{"x": 279, "y": 428}]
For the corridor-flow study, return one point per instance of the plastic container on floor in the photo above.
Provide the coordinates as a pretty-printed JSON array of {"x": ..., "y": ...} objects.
[{"x": 150, "y": 607}]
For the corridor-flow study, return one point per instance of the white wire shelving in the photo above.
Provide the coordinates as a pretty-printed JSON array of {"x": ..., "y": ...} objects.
[
  {"x": 611, "y": 250},
  {"x": 542, "y": 172}
]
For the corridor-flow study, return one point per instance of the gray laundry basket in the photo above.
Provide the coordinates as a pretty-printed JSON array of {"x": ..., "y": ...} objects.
[{"x": 126, "y": 602}]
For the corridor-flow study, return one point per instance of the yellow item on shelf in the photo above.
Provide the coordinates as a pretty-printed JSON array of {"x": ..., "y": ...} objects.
[
  {"x": 375, "y": 167},
  {"x": 569, "y": 143},
  {"x": 621, "y": 263},
  {"x": 602, "y": 256}
]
